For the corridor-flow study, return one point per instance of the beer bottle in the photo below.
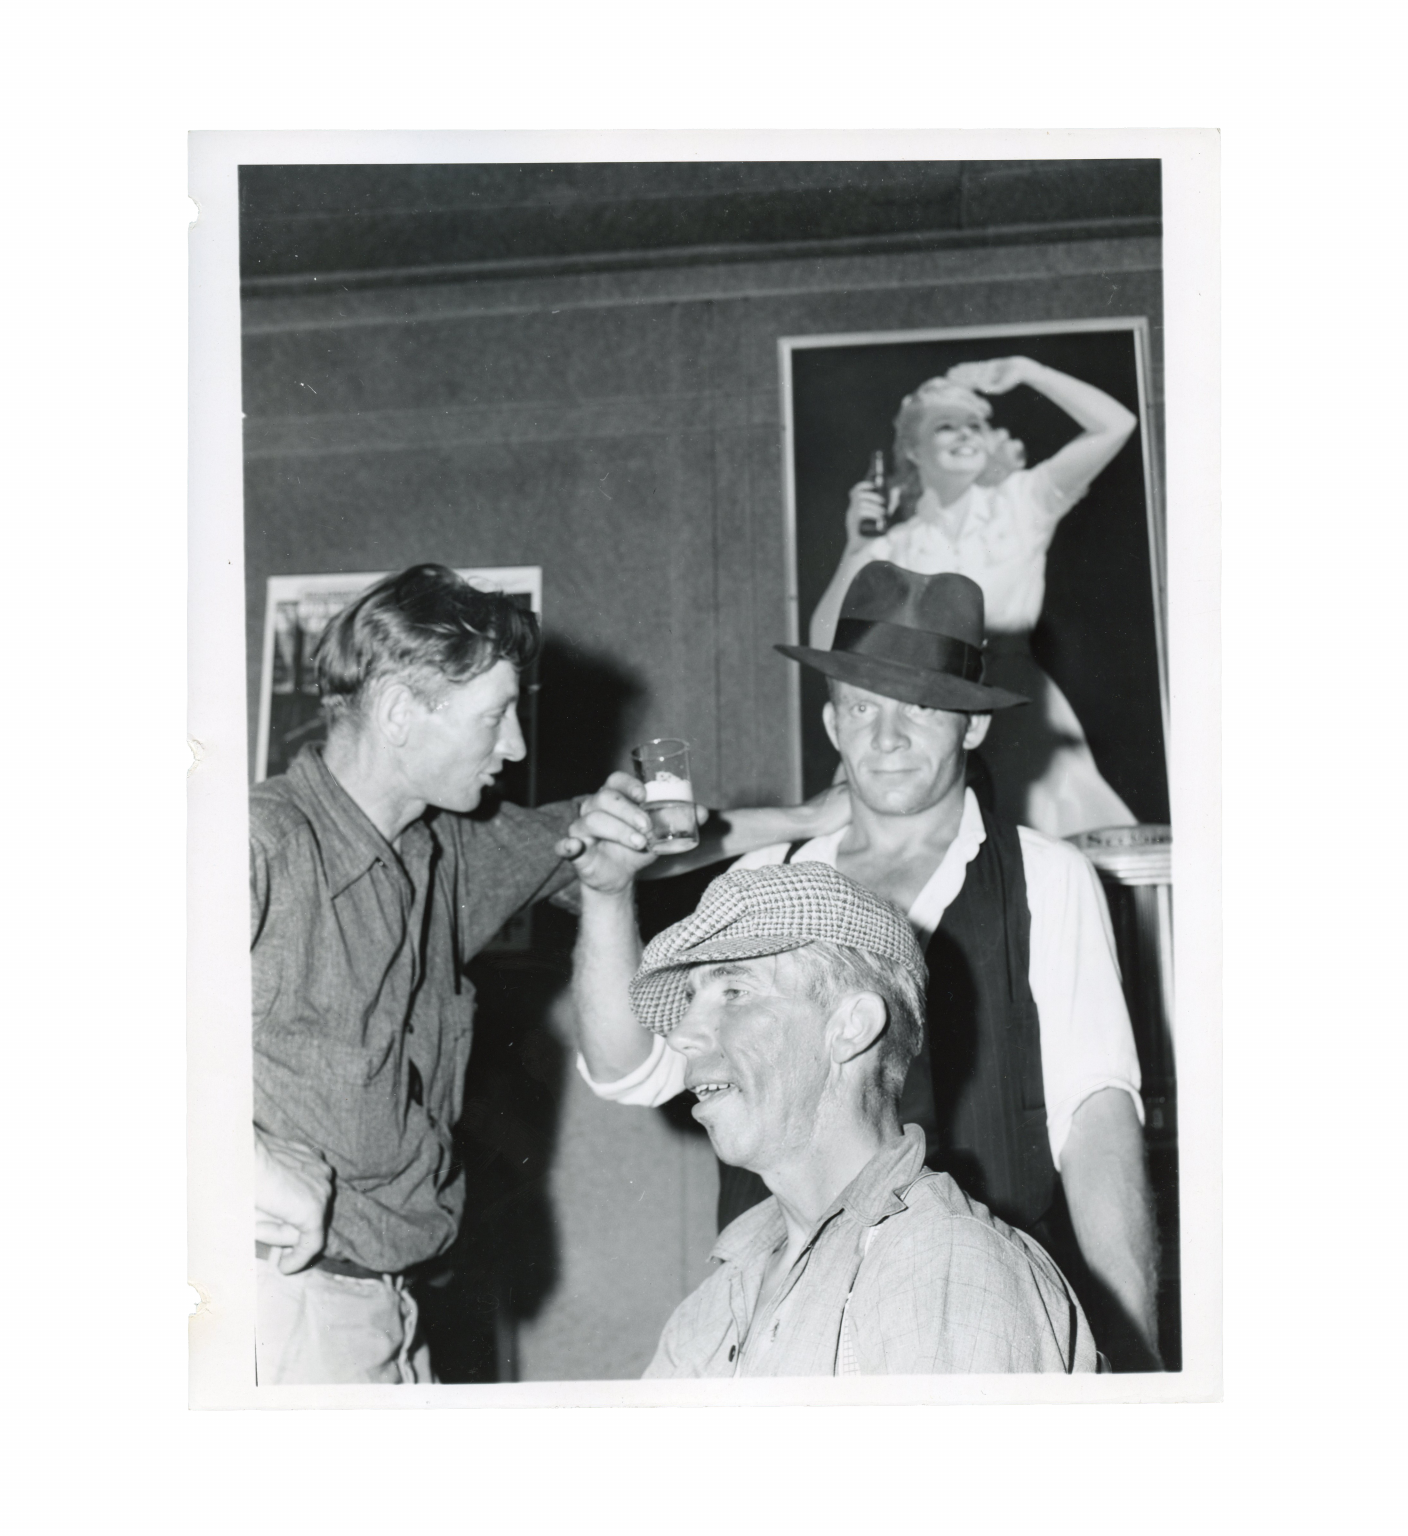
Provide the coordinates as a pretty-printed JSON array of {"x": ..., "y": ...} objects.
[{"x": 870, "y": 527}]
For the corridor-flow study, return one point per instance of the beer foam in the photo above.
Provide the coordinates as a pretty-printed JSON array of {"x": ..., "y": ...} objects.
[{"x": 668, "y": 786}]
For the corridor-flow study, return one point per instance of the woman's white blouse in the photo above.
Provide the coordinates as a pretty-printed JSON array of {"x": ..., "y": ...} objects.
[{"x": 1002, "y": 541}]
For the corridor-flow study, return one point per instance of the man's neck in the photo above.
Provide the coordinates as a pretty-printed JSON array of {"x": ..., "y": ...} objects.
[
  {"x": 354, "y": 761},
  {"x": 933, "y": 829},
  {"x": 807, "y": 1186},
  {"x": 895, "y": 856}
]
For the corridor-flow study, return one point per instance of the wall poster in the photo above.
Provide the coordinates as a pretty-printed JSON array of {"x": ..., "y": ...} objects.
[{"x": 1100, "y": 633}]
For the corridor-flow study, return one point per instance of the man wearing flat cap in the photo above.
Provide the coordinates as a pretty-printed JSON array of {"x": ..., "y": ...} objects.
[
  {"x": 794, "y": 999},
  {"x": 1027, "y": 1083}
]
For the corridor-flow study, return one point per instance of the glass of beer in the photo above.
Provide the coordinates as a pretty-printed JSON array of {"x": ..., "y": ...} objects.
[{"x": 663, "y": 767}]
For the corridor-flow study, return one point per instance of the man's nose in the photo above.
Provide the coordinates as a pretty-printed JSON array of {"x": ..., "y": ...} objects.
[
  {"x": 692, "y": 1034},
  {"x": 510, "y": 745},
  {"x": 890, "y": 734}
]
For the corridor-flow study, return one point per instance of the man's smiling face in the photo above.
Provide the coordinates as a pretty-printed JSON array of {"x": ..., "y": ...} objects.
[
  {"x": 900, "y": 758},
  {"x": 758, "y": 1058}
]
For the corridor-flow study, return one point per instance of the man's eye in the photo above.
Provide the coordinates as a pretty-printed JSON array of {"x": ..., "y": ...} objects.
[{"x": 732, "y": 994}]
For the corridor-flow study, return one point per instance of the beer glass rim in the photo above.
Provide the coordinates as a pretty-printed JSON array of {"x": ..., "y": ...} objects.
[{"x": 675, "y": 744}]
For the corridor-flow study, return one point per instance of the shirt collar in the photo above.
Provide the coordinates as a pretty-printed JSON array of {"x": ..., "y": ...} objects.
[
  {"x": 979, "y": 510},
  {"x": 350, "y": 843},
  {"x": 871, "y": 1196},
  {"x": 874, "y": 1193},
  {"x": 947, "y": 880}
]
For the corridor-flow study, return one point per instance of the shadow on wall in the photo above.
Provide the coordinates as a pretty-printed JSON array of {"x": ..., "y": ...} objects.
[
  {"x": 506, "y": 1265},
  {"x": 588, "y": 709}
]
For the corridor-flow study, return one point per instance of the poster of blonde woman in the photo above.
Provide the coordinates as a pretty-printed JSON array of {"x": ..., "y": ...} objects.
[{"x": 1023, "y": 458}]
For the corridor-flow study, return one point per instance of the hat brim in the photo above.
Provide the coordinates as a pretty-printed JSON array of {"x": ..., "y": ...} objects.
[
  {"x": 659, "y": 997},
  {"x": 911, "y": 685}
]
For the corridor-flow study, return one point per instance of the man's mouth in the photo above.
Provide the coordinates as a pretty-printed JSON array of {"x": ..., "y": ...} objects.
[{"x": 706, "y": 1091}]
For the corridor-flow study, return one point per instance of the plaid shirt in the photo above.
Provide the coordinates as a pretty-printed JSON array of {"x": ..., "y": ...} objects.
[
  {"x": 363, "y": 1014},
  {"x": 903, "y": 1274}
]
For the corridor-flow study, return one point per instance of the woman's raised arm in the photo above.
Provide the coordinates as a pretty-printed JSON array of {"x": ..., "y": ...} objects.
[
  {"x": 866, "y": 503},
  {"x": 1105, "y": 422}
]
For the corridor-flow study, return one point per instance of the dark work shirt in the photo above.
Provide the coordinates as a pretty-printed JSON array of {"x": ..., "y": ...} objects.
[{"x": 362, "y": 1012}]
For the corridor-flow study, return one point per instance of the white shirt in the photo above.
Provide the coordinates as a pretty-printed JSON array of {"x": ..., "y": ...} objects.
[{"x": 1086, "y": 1040}]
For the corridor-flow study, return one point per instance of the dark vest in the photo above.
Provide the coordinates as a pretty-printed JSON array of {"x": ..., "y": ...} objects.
[{"x": 976, "y": 1088}]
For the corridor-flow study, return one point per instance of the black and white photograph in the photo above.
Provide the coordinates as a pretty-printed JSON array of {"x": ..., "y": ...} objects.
[
  {"x": 710, "y": 775},
  {"x": 712, "y": 706}
]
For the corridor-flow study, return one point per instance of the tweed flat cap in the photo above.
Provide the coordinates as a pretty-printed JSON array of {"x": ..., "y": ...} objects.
[{"x": 751, "y": 912}]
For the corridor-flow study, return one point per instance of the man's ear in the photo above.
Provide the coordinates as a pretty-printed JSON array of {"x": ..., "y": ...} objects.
[
  {"x": 977, "y": 730},
  {"x": 856, "y": 1025},
  {"x": 828, "y": 719},
  {"x": 391, "y": 712}
]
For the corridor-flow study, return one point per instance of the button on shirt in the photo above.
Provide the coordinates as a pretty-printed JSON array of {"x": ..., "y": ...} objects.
[
  {"x": 362, "y": 1012},
  {"x": 904, "y": 1274},
  {"x": 1086, "y": 1040}
]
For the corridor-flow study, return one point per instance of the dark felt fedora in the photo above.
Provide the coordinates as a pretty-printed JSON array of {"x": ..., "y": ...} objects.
[{"x": 911, "y": 637}]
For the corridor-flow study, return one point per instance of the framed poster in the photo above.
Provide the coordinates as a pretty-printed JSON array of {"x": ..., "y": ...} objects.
[{"x": 1102, "y": 631}]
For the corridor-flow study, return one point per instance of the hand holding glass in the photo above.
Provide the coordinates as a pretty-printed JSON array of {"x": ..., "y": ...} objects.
[{"x": 662, "y": 766}]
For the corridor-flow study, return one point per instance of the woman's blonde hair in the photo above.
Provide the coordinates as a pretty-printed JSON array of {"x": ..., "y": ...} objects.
[{"x": 1005, "y": 454}]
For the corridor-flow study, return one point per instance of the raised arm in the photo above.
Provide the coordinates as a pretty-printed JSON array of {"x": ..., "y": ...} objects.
[
  {"x": 612, "y": 1043},
  {"x": 865, "y": 503},
  {"x": 1105, "y": 423},
  {"x": 607, "y": 846}
]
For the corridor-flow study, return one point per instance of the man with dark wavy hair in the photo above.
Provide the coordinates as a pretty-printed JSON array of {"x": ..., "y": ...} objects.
[
  {"x": 367, "y": 901},
  {"x": 372, "y": 888}
]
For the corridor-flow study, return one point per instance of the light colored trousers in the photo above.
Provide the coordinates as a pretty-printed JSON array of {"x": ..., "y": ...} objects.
[{"x": 316, "y": 1327}]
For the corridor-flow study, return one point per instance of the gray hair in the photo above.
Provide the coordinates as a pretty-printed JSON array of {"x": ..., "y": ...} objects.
[{"x": 829, "y": 971}]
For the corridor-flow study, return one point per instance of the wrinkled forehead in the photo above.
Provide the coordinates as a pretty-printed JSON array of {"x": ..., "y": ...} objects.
[{"x": 761, "y": 970}]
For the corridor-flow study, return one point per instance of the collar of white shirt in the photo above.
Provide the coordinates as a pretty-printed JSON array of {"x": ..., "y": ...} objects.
[{"x": 946, "y": 881}]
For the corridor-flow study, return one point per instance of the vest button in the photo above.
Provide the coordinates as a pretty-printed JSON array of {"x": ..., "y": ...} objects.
[{"x": 732, "y": 1351}]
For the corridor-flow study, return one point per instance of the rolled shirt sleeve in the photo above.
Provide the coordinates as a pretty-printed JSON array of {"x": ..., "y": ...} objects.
[
  {"x": 1086, "y": 1040},
  {"x": 1039, "y": 502},
  {"x": 658, "y": 1079}
]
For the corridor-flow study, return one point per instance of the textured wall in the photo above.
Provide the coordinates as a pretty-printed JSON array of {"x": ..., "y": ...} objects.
[{"x": 623, "y": 431}]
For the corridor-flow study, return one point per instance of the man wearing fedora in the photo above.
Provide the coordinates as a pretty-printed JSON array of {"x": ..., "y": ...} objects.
[{"x": 1027, "y": 1085}]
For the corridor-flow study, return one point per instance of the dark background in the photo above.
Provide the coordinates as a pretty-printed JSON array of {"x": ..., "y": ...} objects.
[{"x": 1096, "y": 637}]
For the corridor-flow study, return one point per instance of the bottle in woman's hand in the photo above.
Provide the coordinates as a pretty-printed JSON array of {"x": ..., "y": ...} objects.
[{"x": 869, "y": 511}]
